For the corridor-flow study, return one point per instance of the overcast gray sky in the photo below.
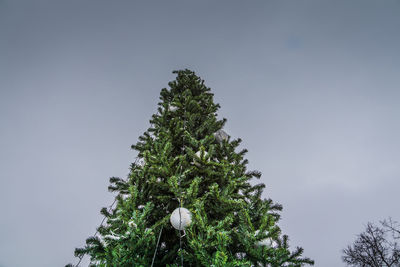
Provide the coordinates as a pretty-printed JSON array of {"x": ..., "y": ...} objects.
[{"x": 312, "y": 88}]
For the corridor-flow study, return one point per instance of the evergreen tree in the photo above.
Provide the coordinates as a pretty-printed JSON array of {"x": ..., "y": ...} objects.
[{"x": 188, "y": 161}]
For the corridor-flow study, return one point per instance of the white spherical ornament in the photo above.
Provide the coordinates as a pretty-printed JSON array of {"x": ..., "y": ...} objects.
[
  {"x": 141, "y": 162},
  {"x": 132, "y": 224},
  {"x": 198, "y": 154},
  {"x": 180, "y": 218},
  {"x": 265, "y": 242},
  {"x": 221, "y": 136},
  {"x": 172, "y": 108}
]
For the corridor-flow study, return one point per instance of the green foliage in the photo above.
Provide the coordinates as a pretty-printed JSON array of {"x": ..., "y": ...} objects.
[{"x": 229, "y": 217}]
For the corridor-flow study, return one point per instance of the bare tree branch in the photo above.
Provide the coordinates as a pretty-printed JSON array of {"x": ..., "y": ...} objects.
[{"x": 377, "y": 246}]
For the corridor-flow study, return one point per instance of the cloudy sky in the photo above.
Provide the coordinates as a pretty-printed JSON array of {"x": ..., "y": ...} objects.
[{"x": 311, "y": 86}]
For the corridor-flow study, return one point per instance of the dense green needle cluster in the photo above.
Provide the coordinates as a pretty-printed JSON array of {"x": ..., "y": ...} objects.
[{"x": 185, "y": 164}]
